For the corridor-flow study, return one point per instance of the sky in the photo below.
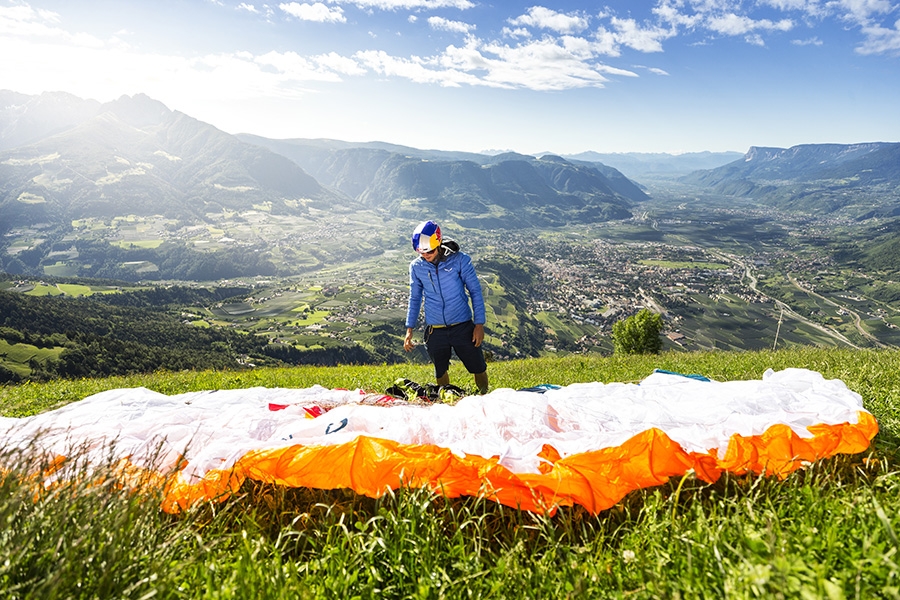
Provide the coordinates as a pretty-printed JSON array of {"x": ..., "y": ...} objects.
[{"x": 667, "y": 76}]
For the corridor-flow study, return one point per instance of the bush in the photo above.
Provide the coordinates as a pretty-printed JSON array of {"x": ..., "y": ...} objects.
[
  {"x": 13, "y": 336},
  {"x": 8, "y": 376},
  {"x": 638, "y": 334}
]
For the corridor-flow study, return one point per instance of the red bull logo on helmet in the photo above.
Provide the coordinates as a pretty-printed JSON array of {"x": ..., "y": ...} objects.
[{"x": 426, "y": 237}]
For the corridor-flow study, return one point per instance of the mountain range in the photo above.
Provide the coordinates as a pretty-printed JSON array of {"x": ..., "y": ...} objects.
[
  {"x": 64, "y": 158},
  {"x": 862, "y": 180},
  {"x": 641, "y": 165},
  {"x": 135, "y": 156},
  {"x": 477, "y": 190}
]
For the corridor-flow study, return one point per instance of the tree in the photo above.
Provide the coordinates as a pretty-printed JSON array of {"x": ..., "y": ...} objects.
[
  {"x": 638, "y": 334},
  {"x": 9, "y": 376}
]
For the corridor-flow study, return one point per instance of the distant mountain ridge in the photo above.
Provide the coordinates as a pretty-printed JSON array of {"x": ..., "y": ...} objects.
[
  {"x": 637, "y": 165},
  {"x": 477, "y": 190},
  {"x": 813, "y": 177},
  {"x": 25, "y": 119},
  {"x": 808, "y": 161},
  {"x": 135, "y": 156},
  {"x": 63, "y": 158}
]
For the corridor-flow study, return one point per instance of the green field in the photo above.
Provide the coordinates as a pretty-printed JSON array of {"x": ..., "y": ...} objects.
[
  {"x": 61, "y": 269},
  {"x": 139, "y": 243},
  {"x": 43, "y": 289},
  {"x": 16, "y": 357},
  {"x": 71, "y": 289},
  {"x": 672, "y": 264}
]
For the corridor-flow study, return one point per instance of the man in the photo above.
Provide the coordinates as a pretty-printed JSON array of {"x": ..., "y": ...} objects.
[{"x": 445, "y": 279}]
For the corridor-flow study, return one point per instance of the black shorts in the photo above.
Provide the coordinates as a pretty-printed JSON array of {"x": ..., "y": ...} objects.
[{"x": 439, "y": 341}]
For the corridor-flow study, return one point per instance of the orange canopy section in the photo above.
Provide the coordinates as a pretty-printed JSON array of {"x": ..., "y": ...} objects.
[{"x": 587, "y": 444}]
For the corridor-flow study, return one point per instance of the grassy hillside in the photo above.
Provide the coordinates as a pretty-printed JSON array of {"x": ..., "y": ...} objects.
[{"x": 829, "y": 531}]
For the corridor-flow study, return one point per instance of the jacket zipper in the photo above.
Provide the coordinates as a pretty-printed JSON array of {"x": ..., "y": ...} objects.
[{"x": 440, "y": 291}]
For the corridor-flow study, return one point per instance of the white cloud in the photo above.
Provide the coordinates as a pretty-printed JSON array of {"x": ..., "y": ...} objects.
[
  {"x": 546, "y": 64},
  {"x": 518, "y": 32},
  {"x": 545, "y": 18},
  {"x": 736, "y": 18},
  {"x": 551, "y": 63},
  {"x": 813, "y": 41},
  {"x": 539, "y": 65},
  {"x": 801, "y": 5},
  {"x": 855, "y": 11},
  {"x": 443, "y": 24},
  {"x": 23, "y": 21},
  {"x": 468, "y": 58},
  {"x": 579, "y": 48},
  {"x": 415, "y": 69},
  {"x": 606, "y": 43},
  {"x": 289, "y": 62},
  {"x": 317, "y": 12},
  {"x": 732, "y": 24},
  {"x": 810, "y": 7},
  {"x": 861, "y": 11},
  {"x": 339, "y": 64},
  {"x": 754, "y": 39},
  {"x": 407, "y": 4},
  {"x": 670, "y": 13},
  {"x": 187, "y": 84},
  {"x": 248, "y": 7},
  {"x": 290, "y": 66},
  {"x": 630, "y": 34},
  {"x": 881, "y": 40},
  {"x": 601, "y": 68}
]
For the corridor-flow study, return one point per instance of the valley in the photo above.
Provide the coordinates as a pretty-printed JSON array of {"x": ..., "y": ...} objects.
[{"x": 737, "y": 278}]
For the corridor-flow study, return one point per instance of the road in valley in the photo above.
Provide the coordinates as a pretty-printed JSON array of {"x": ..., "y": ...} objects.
[
  {"x": 748, "y": 272},
  {"x": 857, "y": 320}
]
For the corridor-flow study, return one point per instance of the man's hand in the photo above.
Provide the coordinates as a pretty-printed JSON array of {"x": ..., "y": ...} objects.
[
  {"x": 478, "y": 335},
  {"x": 408, "y": 343}
]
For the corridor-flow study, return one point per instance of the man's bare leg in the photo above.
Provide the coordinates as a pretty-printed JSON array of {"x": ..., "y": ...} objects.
[{"x": 444, "y": 379}]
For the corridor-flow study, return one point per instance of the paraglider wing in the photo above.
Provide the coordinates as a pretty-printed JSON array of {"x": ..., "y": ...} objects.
[{"x": 588, "y": 444}]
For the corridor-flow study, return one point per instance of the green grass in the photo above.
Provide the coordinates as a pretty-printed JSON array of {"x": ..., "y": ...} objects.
[
  {"x": 829, "y": 531},
  {"x": 43, "y": 289},
  {"x": 682, "y": 264},
  {"x": 17, "y": 357},
  {"x": 71, "y": 289},
  {"x": 313, "y": 317},
  {"x": 61, "y": 269},
  {"x": 128, "y": 244}
]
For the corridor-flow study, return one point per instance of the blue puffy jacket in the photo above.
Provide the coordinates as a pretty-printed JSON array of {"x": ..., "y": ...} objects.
[{"x": 443, "y": 286}]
